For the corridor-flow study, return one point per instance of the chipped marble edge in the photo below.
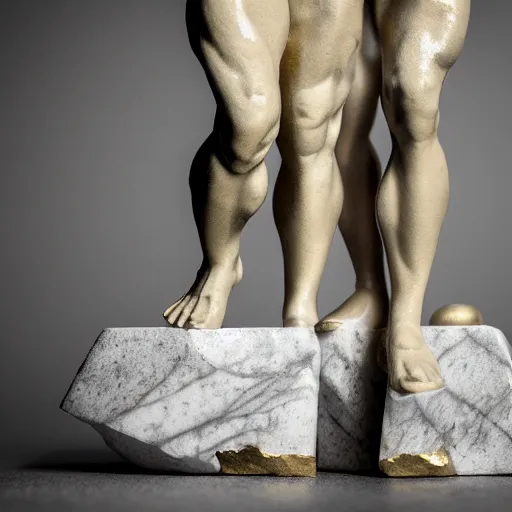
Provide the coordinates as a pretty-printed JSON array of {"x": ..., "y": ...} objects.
[{"x": 395, "y": 399}]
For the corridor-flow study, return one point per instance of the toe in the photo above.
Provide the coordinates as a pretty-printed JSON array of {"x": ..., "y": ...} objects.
[
  {"x": 171, "y": 308},
  {"x": 198, "y": 316},
  {"x": 187, "y": 310},
  {"x": 417, "y": 374},
  {"x": 409, "y": 386},
  {"x": 175, "y": 314},
  {"x": 433, "y": 373}
]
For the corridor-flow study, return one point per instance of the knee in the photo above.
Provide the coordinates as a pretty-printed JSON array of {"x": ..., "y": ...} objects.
[
  {"x": 252, "y": 131},
  {"x": 313, "y": 115},
  {"x": 411, "y": 107}
]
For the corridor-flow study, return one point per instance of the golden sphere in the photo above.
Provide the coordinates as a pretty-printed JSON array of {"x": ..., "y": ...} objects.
[{"x": 457, "y": 314}]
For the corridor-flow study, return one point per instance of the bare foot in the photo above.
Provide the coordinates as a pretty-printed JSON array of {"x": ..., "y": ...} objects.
[
  {"x": 204, "y": 305},
  {"x": 412, "y": 368},
  {"x": 364, "y": 306}
]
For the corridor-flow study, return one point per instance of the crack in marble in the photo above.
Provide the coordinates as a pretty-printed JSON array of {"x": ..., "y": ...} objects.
[
  {"x": 257, "y": 387},
  {"x": 461, "y": 417},
  {"x": 352, "y": 388}
]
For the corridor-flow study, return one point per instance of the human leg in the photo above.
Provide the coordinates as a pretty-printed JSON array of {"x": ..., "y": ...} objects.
[
  {"x": 316, "y": 74},
  {"x": 360, "y": 173},
  {"x": 239, "y": 43},
  {"x": 420, "y": 40}
]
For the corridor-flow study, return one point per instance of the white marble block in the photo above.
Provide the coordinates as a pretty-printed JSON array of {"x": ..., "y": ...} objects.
[
  {"x": 177, "y": 400},
  {"x": 351, "y": 401},
  {"x": 464, "y": 428}
]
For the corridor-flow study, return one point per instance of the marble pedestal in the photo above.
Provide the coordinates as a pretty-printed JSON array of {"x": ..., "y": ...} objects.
[
  {"x": 351, "y": 401},
  {"x": 239, "y": 401},
  {"x": 464, "y": 428}
]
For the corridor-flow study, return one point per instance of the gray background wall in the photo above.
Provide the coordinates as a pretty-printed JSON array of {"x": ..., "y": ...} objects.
[{"x": 102, "y": 106}]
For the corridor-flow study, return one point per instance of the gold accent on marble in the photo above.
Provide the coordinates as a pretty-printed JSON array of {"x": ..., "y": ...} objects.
[
  {"x": 436, "y": 463},
  {"x": 457, "y": 314},
  {"x": 327, "y": 326},
  {"x": 252, "y": 461}
]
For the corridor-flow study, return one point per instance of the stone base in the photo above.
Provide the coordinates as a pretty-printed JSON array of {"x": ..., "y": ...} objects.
[
  {"x": 200, "y": 401},
  {"x": 464, "y": 428},
  {"x": 351, "y": 402}
]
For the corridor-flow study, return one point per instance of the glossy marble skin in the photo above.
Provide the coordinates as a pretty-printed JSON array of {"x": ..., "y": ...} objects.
[{"x": 283, "y": 70}]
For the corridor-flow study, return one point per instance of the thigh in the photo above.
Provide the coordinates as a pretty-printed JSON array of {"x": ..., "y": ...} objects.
[
  {"x": 420, "y": 41},
  {"x": 324, "y": 35},
  {"x": 240, "y": 43}
]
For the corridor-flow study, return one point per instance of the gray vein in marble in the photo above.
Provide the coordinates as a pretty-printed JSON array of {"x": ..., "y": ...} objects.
[
  {"x": 169, "y": 398},
  {"x": 471, "y": 418}
]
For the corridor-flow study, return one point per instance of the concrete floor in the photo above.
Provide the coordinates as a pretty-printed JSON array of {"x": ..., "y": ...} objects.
[{"x": 116, "y": 486}]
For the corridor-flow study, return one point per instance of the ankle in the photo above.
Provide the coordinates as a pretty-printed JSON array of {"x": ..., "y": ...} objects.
[
  {"x": 401, "y": 324},
  {"x": 372, "y": 283},
  {"x": 304, "y": 316},
  {"x": 226, "y": 264}
]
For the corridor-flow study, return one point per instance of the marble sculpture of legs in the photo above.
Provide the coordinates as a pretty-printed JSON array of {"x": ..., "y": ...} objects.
[
  {"x": 360, "y": 173},
  {"x": 420, "y": 41},
  {"x": 317, "y": 70},
  {"x": 240, "y": 44}
]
